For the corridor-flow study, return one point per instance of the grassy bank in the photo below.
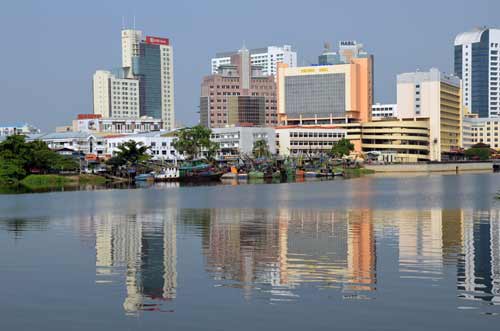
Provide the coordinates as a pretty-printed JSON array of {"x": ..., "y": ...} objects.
[
  {"x": 45, "y": 181},
  {"x": 41, "y": 182}
]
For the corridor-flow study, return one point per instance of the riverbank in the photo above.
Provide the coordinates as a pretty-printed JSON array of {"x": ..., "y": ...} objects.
[
  {"x": 48, "y": 182},
  {"x": 431, "y": 167}
]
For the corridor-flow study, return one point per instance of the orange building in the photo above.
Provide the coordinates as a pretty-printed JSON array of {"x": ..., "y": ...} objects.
[{"x": 339, "y": 90}]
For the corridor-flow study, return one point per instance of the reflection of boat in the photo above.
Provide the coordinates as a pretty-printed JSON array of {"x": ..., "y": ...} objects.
[{"x": 144, "y": 178}]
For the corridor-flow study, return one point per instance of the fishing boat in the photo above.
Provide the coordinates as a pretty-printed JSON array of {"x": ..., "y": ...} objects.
[
  {"x": 144, "y": 178},
  {"x": 166, "y": 175},
  {"x": 199, "y": 173},
  {"x": 243, "y": 176},
  {"x": 255, "y": 174}
]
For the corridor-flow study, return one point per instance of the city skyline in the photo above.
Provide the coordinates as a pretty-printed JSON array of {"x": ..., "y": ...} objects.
[{"x": 68, "y": 49}]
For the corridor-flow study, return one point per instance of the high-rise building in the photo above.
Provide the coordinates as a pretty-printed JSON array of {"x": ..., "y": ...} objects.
[
  {"x": 144, "y": 85},
  {"x": 239, "y": 94},
  {"x": 267, "y": 58},
  {"x": 130, "y": 49},
  {"x": 336, "y": 92},
  {"x": 153, "y": 66},
  {"x": 476, "y": 63},
  {"x": 435, "y": 96},
  {"x": 115, "y": 97}
]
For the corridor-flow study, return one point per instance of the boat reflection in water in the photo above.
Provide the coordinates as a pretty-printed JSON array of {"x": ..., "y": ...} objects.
[{"x": 284, "y": 255}]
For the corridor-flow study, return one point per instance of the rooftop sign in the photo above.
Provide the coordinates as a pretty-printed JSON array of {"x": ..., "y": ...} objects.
[{"x": 157, "y": 40}]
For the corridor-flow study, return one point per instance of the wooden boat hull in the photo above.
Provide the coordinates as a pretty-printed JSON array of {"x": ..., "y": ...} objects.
[{"x": 198, "y": 178}]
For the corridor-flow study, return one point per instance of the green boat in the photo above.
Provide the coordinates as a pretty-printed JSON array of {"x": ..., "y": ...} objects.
[{"x": 255, "y": 174}]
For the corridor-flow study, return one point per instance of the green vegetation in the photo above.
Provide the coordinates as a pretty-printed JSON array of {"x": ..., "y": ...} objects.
[
  {"x": 479, "y": 151},
  {"x": 129, "y": 154},
  {"x": 260, "y": 149},
  {"x": 19, "y": 158},
  {"x": 35, "y": 182},
  {"x": 44, "y": 182},
  {"x": 342, "y": 148},
  {"x": 192, "y": 141},
  {"x": 91, "y": 180}
]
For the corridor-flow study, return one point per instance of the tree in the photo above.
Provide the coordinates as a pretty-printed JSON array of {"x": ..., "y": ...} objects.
[
  {"x": 192, "y": 141},
  {"x": 260, "y": 148},
  {"x": 11, "y": 170},
  {"x": 341, "y": 148},
  {"x": 479, "y": 151},
  {"x": 132, "y": 153}
]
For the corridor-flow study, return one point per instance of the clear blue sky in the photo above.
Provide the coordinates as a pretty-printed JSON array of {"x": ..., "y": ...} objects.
[{"x": 50, "y": 49}]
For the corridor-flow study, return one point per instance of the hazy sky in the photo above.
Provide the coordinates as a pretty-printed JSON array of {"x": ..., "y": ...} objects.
[{"x": 50, "y": 49}]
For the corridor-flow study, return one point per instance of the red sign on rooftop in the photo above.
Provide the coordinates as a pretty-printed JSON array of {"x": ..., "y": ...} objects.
[
  {"x": 88, "y": 116},
  {"x": 157, "y": 40}
]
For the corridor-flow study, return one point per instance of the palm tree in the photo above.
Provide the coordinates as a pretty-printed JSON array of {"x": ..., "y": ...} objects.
[
  {"x": 132, "y": 153},
  {"x": 260, "y": 149}
]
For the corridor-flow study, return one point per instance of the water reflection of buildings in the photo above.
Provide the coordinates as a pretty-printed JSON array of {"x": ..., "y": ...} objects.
[
  {"x": 276, "y": 254},
  {"x": 479, "y": 268},
  {"x": 145, "y": 247},
  {"x": 287, "y": 248}
]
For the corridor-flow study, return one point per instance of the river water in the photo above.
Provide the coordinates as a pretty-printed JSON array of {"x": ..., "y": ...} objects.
[{"x": 372, "y": 253}]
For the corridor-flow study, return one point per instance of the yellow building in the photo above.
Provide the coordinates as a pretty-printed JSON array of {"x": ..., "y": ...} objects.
[
  {"x": 405, "y": 140},
  {"x": 437, "y": 97}
]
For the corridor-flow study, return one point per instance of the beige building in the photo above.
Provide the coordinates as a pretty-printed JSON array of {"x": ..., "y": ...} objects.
[
  {"x": 311, "y": 140},
  {"x": 481, "y": 130},
  {"x": 406, "y": 140},
  {"x": 437, "y": 97}
]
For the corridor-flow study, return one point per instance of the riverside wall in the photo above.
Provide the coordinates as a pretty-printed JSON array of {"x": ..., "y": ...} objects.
[{"x": 432, "y": 167}]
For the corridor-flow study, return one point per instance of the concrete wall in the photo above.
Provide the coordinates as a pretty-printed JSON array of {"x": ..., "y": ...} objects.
[{"x": 432, "y": 167}]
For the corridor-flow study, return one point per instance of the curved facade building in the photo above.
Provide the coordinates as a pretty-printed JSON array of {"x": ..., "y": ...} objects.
[{"x": 476, "y": 63}]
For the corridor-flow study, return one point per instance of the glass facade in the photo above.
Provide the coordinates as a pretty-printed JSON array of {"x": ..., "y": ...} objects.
[
  {"x": 205, "y": 111},
  {"x": 246, "y": 110},
  {"x": 458, "y": 61},
  {"x": 320, "y": 94},
  {"x": 147, "y": 67},
  {"x": 480, "y": 76}
]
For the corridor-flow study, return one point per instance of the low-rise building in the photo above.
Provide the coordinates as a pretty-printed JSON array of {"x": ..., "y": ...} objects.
[
  {"x": 407, "y": 140},
  {"x": 79, "y": 142},
  {"x": 296, "y": 140},
  {"x": 380, "y": 111},
  {"x": 159, "y": 143},
  {"x": 95, "y": 123},
  {"x": 481, "y": 130},
  {"x": 234, "y": 141},
  {"x": 18, "y": 128}
]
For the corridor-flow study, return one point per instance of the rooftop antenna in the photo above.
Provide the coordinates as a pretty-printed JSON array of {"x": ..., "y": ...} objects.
[
  {"x": 123, "y": 22},
  {"x": 134, "y": 22}
]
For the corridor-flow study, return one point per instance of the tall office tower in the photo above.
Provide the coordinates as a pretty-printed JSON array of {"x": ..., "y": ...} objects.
[
  {"x": 476, "y": 63},
  {"x": 239, "y": 94},
  {"x": 130, "y": 48},
  {"x": 267, "y": 58},
  {"x": 338, "y": 90},
  {"x": 154, "y": 68},
  {"x": 435, "y": 96},
  {"x": 115, "y": 97},
  {"x": 150, "y": 60}
]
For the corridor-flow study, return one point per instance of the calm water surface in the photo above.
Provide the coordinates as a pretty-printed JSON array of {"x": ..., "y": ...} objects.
[{"x": 373, "y": 253}]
